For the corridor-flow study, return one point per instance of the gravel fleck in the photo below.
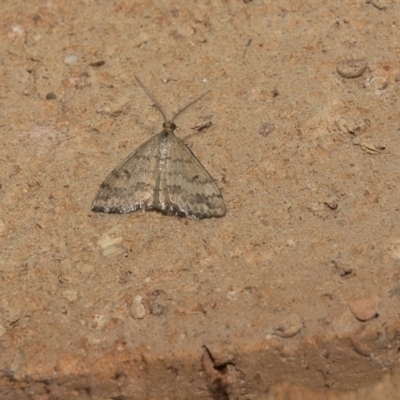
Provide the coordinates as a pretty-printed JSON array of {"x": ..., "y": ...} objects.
[{"x": 350, "y": 69}]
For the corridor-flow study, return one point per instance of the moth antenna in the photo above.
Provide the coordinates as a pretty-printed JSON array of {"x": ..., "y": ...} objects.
[
  {"x": 156, "y": 104},
  {"x": 187, "y": 106}
]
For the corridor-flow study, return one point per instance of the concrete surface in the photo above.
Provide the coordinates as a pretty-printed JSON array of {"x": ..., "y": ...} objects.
[{"x": 294, "y": 293}]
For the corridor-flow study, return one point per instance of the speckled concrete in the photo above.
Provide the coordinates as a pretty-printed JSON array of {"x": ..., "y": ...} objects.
[{"x": 298, "y": 282}]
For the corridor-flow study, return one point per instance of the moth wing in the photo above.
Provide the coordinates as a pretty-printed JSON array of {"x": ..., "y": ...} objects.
[
  {"x": 186, "y": 188},
  {"x": 130, "y": 186}
]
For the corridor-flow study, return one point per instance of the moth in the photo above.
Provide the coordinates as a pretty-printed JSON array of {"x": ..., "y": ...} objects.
[{"x": 163, "y": 175}]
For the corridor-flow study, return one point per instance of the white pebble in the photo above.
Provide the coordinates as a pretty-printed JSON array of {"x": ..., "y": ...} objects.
[
  {"x": 137, "y": 310},
  {"x": 71, "y": 59}
]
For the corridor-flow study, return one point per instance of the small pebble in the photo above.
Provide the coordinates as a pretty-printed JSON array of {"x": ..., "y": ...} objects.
[
  {"x": 107, "y": 240},
  {"x": 137, "y": 309},
  {"x": 157, "y": 308},
  {"x": 365, "y": 308},
  {"x": 200, "y": 127},
  {"x": 290, "y": 326},
  {"x": 97, "y": 63},
  {"x": 71, "y": 59},
  {"x": 114, "y": 250},
  {"x": 111, "y": 245},
  {"x": 350, "y": 69},
  {"x": 266, "y": 128},
  {"x": 16, "y": 30},
  {"x": 51, "y": 96}
]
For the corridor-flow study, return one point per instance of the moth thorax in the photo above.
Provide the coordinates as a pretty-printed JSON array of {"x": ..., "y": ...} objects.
[{"x": 169, "y": 125}]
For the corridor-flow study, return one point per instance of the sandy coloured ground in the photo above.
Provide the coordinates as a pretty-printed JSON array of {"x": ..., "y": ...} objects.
[{"x": 295, "y": 293}]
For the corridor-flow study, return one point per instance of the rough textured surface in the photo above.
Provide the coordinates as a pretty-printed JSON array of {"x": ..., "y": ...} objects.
[{"x": 298, "y": 282}]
